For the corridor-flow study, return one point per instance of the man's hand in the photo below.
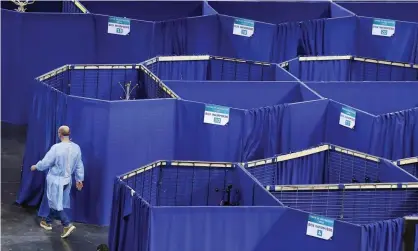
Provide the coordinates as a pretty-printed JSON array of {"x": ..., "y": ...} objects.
[
  {"x": 33, "y": 168},
  {"x": 79, "y": 185}
]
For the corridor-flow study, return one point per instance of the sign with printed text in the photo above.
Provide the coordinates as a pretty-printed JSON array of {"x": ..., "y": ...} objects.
[
  {"x": 383, "y": 27},
  {"x": 216, "y": 115},
  {"x": 243, "y": 27},
  {"x": 320, "y": 227},
  {"x": 348, "y": 117},
  {"x": 119, "y": 26}
]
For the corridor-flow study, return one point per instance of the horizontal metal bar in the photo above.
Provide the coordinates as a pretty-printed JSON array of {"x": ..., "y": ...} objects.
[
  {"x": 240, "y": 60},
  {"x": 385, "y": 62},
  {"x": 182, "y": 58},
  {"x": 353, "y": 186},
  {"x": 361, "y": 59},
  {"x": 201, "y": 164},
  {"x": 53, "y": 73},
  {"x": 325, "y": 58},
  {"x": 150, "y": 61},
  {"x": 411, "y": 217},
  {"x": 143, "y": 169},
  {"x": 303, "y": 153},
  {"x": 406, "y": 161},
  {"x": 260, "y": 162},
  {"x": 102, "y": 67},
  {"x": 357, "y": 154},
  {"x": 176, "y": 163}
]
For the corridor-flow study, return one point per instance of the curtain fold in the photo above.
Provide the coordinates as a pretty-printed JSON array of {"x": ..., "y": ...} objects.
[
  {"x": 181, "y": 70},
  {"x": 416, "y": 237},
  {"x": 285, "y": 43},
  {"x": 171, "y": 37},
  {"x": 383, "y": 235},
  {"x": 48, "y": 113},
  {"x": 263, "y": 132},
  {"x": 129, "y": 228},
  {"x": 395, "y": 135},
  {"x": 312, "y": 40},
  {"x": 311, "y": 169}
]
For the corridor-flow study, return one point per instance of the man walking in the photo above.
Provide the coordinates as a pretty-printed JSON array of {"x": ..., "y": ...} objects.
[{"x": 62, "y": 160}]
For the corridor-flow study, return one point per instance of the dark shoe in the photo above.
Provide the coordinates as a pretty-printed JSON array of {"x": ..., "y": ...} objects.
[
  {"x": 67, "y": 231},
  {"x": 45, "y": 225}
]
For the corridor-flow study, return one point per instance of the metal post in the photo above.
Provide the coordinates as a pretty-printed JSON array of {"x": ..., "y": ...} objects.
[{"x": 128, "y": 90}]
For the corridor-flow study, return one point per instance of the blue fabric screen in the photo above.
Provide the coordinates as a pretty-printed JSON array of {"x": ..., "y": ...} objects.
[
  {"x": 20, "y": 59},
  {"x": 88, "y": 120},
  {"x": 395, "y": 135},
  {"x": 130, "y": 220},
  {"x": 389, "y": 10},
  {"x": 147, "y": 10},
  {"x": 49, "y": 111},
  {"x": 350, "y": 70},
  {"x": 133, "y": 140},
  {"x": 365, "y": 71},
  {"x": 416, "y": 237},
  {"x": 237, "y": 94},
  {"x": 141, "y": 34},
  {"x": 84, "y": 38},
  {"x": 332, "y": 70},
  {"x": 198, "y": 141},
  {"x": 313, "y": 38},
  {"x": 257, "y": 47},
  {"x": 281, "y": 129},
  {"x": 304, "y": 125},
  {"x": 252, "y": 192},
  {"x": 273, "y": 12},
  {"x": 102, "y": 84},
  {"x": 382, "y": 235},
  {"x": 401, "y": 47},
  {"x": 242, "y": 228},
  {"x": 387, "y": 96},
  {"x": 311, "y": 169},
  {"x": 345, "y": 30},
  {"x": 357, "y": 138},
  {"x": 191, "y": 36}
]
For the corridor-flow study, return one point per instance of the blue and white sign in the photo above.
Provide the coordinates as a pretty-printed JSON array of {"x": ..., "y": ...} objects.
[
  {"x": 216, "y": 115},
  {"x": 320, "y": 227},
  {"x": 383, "y": 27},
  {"x": 243, "y": 27},
  {"x": 118, "y": 26},
  {"x": 348, "y": 117}
]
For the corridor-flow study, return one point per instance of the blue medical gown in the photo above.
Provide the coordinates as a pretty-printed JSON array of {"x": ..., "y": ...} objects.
[{"x": 62, "y": 160}]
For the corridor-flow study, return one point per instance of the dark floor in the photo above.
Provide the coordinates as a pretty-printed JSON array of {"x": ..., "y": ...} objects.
[{"x": 19, "y": 226}]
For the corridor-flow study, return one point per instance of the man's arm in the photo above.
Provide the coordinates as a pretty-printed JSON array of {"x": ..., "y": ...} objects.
[
  {"x": 46, "y": 162},
  {"x": 79, "y": 172}
]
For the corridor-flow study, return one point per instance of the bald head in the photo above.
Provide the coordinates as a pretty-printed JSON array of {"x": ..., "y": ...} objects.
[{"x": 64, "y": 131}]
